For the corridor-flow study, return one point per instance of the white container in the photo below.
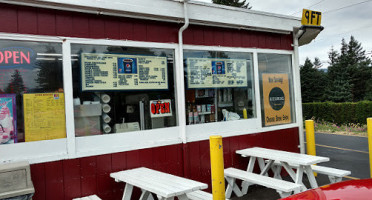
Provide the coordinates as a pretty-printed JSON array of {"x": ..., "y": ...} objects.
[
  {"x": 77, "y": 102},
  {"x": 106, "y": 108},
  {"x": 105, "y": 98},
  {"x": 106, "y": 128},
  {"x": 106, "y": 118}
]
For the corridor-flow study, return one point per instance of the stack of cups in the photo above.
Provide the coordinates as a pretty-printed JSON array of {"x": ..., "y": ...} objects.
[{"x": 106, "y": 108}]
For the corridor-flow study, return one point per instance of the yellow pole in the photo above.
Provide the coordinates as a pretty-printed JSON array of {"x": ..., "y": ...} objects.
[
  {"x": 369, "y": 130},
  {"x": 310, "y": 138},
  {"x": 218, "y": 180}
]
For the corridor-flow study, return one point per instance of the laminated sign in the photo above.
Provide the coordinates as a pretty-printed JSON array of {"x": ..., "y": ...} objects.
[
  {"x": 44, "y": 115},
  {"x": 277, "y": 106},
  {"x": 123, "y": 72}
]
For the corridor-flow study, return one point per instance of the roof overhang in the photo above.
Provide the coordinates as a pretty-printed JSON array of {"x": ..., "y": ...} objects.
[
  {"x": 172, "y": 11},
  {"x": 306, "y": 33}
]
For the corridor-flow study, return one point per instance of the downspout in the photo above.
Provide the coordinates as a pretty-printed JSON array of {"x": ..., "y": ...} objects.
[
  {"x": 181, "y": 102},
  {"x": 181, "y": 72},
  {"x": 298, "y": 99}
]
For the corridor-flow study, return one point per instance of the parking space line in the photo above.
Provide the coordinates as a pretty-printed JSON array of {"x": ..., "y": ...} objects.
[
  {"x": 321, "y": 145},
  {"x": 350, "y": 177}
]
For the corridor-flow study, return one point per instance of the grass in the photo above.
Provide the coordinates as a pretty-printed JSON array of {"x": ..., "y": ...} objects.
[{"x": 346, "y": 129}]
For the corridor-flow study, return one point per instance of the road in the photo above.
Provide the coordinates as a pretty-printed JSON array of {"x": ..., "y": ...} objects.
[{"x": 345, "y": 152}]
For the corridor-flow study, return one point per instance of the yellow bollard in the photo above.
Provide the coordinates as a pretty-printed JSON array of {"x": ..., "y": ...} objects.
[
  {"x": 310, "y": 138},
  {"x": 218, "y": 179},
  {"x": 369, "y": 130}
]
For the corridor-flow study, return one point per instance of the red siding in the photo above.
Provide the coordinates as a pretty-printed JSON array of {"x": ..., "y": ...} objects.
[
  {"x": 90, "y": 175},
  {"x": 27, "y": 20}
]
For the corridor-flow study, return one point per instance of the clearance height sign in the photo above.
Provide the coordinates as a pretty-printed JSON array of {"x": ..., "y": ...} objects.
[{"x": 277, "y": 106}]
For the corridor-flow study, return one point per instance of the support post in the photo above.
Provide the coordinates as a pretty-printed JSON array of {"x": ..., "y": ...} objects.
[
  {"x": 310, "y": 138},
  {"x": 369, "y": 130},
  {"x": 218, "y": 181}
]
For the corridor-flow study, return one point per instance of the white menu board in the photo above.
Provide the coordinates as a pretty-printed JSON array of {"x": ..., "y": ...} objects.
[
  {"x": 216, "y": 73},
  {"x": 123, "y": 72}
]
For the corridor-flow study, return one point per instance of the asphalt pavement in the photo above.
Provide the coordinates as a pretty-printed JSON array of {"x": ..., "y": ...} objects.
[{"x": 345, "y": 152}]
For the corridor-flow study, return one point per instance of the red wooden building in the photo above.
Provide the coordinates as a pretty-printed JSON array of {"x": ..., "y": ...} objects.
[{"x": 91, "y": 99}]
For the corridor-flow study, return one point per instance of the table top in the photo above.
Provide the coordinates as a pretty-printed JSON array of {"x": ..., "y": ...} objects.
[
  {"x": 163, "y": 184},
  {"x": 284, "y": 156}
]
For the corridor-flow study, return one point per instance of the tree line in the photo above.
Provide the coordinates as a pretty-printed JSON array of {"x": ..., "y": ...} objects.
[{"x": 348, "y": 78}]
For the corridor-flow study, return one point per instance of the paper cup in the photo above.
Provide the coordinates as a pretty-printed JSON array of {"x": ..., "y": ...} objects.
[
  {"x": 86, "y": 102},
  {"x": 106, "y": 108},
  {"x": 106, "y": 118},
  {"x": 106, "y": 128},
  {"x": 105, "y": 98},
  {"x": 77, "y": 102}
]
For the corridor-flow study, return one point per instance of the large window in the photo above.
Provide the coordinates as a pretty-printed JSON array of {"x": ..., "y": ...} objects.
[
  {"x": 120, "y": 89},
  {"x": 219, "y": 86},
  {"x": 31, "y": 91},
  {"x": 276, "y": 89}
]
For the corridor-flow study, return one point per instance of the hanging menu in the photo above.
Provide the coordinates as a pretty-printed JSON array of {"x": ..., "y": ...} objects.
[
  {"x": 123, "y": 72},
  {"x": 216, "y": 73},
  {"x": 44, "y": 115}
]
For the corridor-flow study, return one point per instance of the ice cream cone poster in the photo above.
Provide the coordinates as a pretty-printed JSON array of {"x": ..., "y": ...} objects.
[
  {"x": 277, "y": 108},
  {"x": 8, "y": 119}
]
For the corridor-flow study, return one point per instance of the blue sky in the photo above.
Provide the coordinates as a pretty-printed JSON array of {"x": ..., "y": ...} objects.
[{"x": 340, "y": 18}]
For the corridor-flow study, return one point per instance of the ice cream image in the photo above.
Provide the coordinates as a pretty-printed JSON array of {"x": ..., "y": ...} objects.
[{"x": 6, "y": 123}]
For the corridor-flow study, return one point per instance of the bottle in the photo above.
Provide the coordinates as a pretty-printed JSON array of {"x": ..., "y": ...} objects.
[{"x": 245, "y": 115}]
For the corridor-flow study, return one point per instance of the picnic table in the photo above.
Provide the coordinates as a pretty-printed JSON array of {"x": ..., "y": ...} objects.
[
  {"x": 165, "y": 186},
  {"x": 302, "y": 162}
]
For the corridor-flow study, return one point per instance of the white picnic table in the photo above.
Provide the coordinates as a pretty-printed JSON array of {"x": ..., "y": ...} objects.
[
  {"x": 302, "y": 161},
  {"x": 165, "y": 186}
]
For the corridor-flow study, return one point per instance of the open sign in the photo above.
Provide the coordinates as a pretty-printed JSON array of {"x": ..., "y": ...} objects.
[
  {"x": 310, "y": 17},
  {"x": 160, "y": 108}
]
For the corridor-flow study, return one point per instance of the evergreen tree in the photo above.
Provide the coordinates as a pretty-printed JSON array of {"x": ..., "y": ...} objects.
[
  {"x": 333, "y": 56},
  {"x": 16, "y": 85},
  {"x": 339, "y": 88},
  {"x": 313, "y": 81},
  {"x": 234, "y": 3}
]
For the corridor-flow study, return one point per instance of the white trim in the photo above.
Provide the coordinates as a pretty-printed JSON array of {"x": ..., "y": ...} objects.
[
  {"x": 68, "y": 92},
  {"x": 257, "y": 94}
]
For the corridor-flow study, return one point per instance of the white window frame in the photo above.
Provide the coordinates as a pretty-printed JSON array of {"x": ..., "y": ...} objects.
[
  {"x": 196, "y": 132},
  {"x": 75, "y": 147}
]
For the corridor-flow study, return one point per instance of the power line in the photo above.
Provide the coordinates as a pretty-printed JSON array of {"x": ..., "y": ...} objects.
[
  {"x": 309, "y": 6},
  {"x": 337, "y": 9}
]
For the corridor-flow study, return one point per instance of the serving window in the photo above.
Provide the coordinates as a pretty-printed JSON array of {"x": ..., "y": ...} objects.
[
  {"x": 276, "y": 89},
  {"x": 120, "y": 89},
  {"x": 31, "y": 91},
  {"x": 219, "y": 86}
]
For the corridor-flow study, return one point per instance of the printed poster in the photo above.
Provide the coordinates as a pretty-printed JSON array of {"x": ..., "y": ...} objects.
[
  {"x": 8, "y": 119},
  {"x": 123, "y": 72},
  {"x": 212, "y": 73},
  {"x": 44, "y": 116},
  {"x": 277, "y": 106}
]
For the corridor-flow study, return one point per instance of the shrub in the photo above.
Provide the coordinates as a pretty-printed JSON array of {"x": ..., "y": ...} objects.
[{"x": 339, "y": 113}]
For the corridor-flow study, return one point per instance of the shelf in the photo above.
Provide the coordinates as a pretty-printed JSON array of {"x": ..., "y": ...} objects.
[
  {"x": 204, "y": 113},
  {"x": 225, "y": 104}
]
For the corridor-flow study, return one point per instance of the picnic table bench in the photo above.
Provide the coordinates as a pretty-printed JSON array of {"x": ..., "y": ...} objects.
[{"x": 165, "y": 186}]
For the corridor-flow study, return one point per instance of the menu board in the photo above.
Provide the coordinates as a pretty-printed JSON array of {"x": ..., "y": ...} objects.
[
  {"x": 277, "y": 106},
  {"x": 212, "y": 73},
  {"x": 123, "y": 72},
  {"x": 44, "y": 115}
]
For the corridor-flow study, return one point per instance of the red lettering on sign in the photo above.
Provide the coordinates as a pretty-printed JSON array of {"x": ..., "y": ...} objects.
[
  {"x": 162, "y": 108},
  {"x": 153, "y": 111},
  {"x": 8, "y": 55},
  {"x": 167, "y": 109},
  {"x": 1, "y": 57},
  {"x": 157, "y": 108},
  {"x": 26, "y": 58},
  {"x": 15, "y": 57}
]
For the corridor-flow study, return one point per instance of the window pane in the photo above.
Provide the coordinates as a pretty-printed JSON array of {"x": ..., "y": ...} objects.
[
  {"x": 122, "y": 89},
  {"x": 276, "y": 88},
  {"x": 219, "y": 86},
  {"x": 31, "y": 91}
]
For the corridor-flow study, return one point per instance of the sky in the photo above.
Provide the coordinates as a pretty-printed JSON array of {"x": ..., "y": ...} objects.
[{"x": 340, "y": 19}]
